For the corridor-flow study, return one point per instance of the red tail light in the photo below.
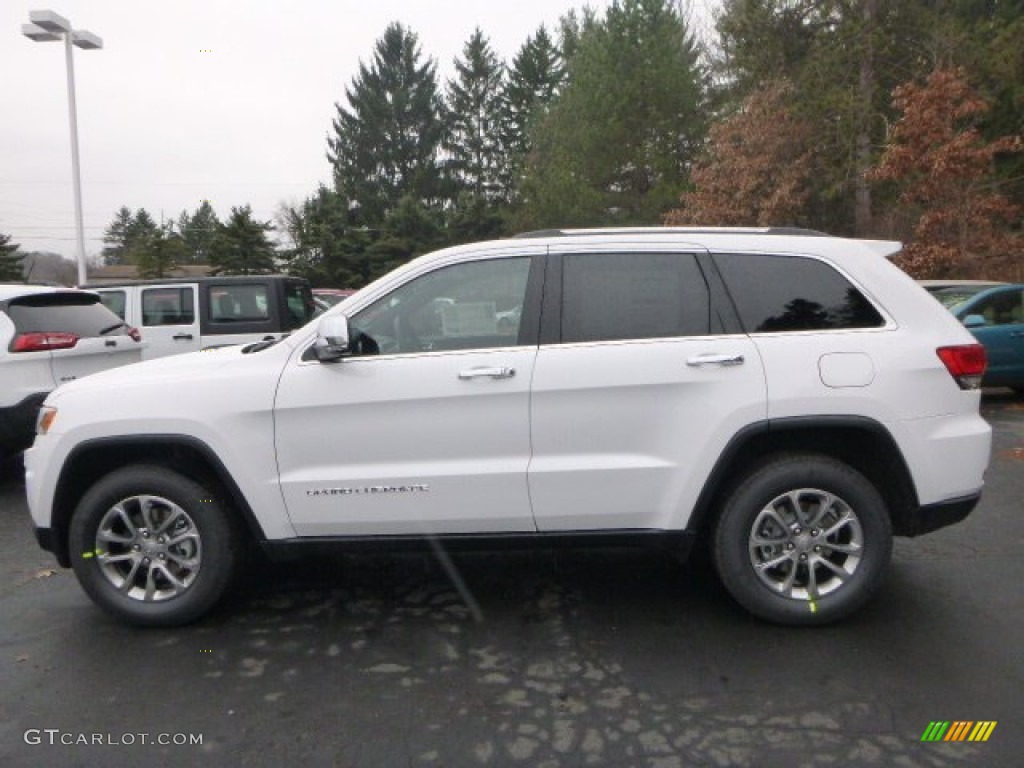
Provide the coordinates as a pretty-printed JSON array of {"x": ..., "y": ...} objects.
[
  {"x": 40, "y": 342},
  {"x": 966, "y": 364},
  {"x": 134, "y": 333}
]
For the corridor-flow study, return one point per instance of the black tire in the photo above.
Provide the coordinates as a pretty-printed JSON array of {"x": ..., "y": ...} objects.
[
  {"x": 1018, "y": 391},
  {"x": 182, "y": 532},
  {"x": 807, "y": 576}
]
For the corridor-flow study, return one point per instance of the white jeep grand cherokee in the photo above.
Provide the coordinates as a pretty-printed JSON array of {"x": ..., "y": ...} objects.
[{"x": 789, "y": 399}]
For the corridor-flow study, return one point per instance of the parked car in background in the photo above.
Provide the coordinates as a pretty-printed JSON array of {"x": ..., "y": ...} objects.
[
  {"x": 191, "y": 314},
  {"x": 995, "y": 315},
  {"x": 333, "y": 296},
  {"x": 951, "y": 292},
  {"x": 50, "y": 336}
]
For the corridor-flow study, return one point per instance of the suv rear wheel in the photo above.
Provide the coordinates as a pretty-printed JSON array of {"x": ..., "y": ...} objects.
[
  {"x": 153, "y": 547},
  {"x": 803, "y": 539}
]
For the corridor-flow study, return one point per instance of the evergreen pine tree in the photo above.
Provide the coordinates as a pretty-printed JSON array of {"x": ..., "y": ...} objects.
[
  {"x": 386, "y": 141},
  {"x": 329, "y": 243},
  {"x": 242, "y": 246},
  {"x": 160, "y": 252},
  {"x": 197, "y": 232},
  {"x": 10, "y": 262},
  {"x": 616, "y": 146},
  {"x": 536, "y": 74},
  {"x": 142, "y": 226},
  {"x": 116, "y": 237},
  {"x": 409, "y": 230},
  {"x": 473, "y": 143}
]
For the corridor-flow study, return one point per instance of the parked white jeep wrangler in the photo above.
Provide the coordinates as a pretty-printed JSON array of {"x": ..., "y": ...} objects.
[
  {"x": 788, "y": 399},
  {"x": 179, "y": 315}
]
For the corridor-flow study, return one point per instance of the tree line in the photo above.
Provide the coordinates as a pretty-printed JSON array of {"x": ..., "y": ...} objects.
[
  {"x": 241, "y": 245},
  {"x": 898, "y": 119}
]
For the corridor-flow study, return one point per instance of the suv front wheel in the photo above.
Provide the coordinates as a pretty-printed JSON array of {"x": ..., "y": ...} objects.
[
  {"x": 153, "y": 547},
  {"x": 803, "y": 539}
]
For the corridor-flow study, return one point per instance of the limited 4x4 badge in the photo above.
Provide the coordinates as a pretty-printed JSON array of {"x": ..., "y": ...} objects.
[{"x": 420, "y": 488}]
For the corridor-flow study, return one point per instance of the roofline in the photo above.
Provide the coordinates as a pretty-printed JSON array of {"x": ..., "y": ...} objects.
[
  {"x": 10, "y": 291},
  {"x": 115, "y": 283},
  {"x": 786, "y": 231}
]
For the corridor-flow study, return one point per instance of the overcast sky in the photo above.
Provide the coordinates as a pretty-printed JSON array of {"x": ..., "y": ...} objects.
[{"x": 202, "y": 99}]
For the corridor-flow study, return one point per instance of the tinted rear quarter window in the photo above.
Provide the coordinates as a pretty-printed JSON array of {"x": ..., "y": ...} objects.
[
  {"x": 238, "y": 303},
  {"x": 793, "y": 293},
  {"x": 80, "y": 314},
  {"x": 615, "y": 296}
]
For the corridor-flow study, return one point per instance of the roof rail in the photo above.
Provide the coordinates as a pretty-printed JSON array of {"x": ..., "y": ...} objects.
[
  {"x": 538, "y": 233},
  {"x": 797, "y": 231}
]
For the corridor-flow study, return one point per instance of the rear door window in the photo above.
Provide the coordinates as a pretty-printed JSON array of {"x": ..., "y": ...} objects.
[
  {"x": 793, "y": 293},
  {"x": 614, "y": 296}
]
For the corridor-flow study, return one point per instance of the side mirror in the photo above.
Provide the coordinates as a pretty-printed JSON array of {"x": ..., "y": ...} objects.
[
  {"x": 332, "y": 339},
  {"x": 975, "y": 321}
]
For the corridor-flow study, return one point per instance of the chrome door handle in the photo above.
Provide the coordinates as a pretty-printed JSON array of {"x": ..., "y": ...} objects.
[
  {"x": 487, "y": 373},
  {"x": 699, "y": 360}
]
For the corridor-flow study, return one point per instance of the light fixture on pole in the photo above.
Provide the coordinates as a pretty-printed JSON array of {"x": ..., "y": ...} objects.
[{"x": 47, "y": 26}]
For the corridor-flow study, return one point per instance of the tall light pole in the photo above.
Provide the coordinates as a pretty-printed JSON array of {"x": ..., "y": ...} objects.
[{"x": 47, "y": 26}]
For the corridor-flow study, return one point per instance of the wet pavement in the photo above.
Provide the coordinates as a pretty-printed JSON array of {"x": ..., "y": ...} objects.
[{"x": 597, "y": 657}]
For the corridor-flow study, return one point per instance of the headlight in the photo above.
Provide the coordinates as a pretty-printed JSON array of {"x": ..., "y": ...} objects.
[{"x": 47, "y": 415}]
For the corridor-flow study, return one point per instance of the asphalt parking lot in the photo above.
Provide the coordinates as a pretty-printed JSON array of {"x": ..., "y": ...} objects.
[{"x": 610, "y": 658}]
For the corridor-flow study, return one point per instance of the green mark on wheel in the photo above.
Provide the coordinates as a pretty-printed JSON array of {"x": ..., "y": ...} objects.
[
  {"x": 94, "y": 553},
  {"x": 814, "y": 607}
]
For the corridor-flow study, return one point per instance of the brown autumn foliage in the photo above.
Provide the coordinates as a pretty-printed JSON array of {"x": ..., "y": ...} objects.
[
  {"x": 945, "y": 172},
  {"x": 755, "y": 169}
]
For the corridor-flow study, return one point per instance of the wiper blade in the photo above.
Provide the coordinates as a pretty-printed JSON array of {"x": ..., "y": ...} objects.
[
  {"x": 259, "y": 346},
  {"x": 105, "y": 331}
]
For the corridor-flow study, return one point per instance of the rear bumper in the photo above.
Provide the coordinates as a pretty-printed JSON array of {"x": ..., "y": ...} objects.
[
  {"x": 932, "y": 517},
  {"x": 947, "y": 456},
  {"x": 18, "y": 423}
]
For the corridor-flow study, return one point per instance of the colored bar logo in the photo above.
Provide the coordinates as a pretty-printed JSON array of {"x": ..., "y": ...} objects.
[{"x": 959, "y": 730}]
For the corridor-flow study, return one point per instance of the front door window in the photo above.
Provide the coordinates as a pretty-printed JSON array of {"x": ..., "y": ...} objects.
[{"x": 477, "y": 305}]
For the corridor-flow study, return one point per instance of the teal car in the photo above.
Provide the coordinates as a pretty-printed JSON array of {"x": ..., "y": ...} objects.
[{"x": 995, "y": 315}]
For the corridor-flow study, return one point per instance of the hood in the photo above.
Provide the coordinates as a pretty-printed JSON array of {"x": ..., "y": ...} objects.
[{"x": 192, "y": 366}]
